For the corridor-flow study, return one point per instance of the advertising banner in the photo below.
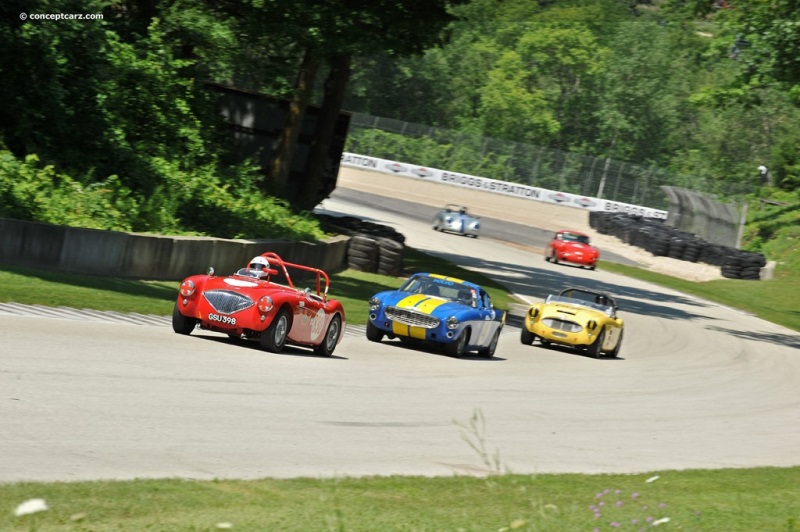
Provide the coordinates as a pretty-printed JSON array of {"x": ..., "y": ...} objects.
[{"x": 496, "y": 186}]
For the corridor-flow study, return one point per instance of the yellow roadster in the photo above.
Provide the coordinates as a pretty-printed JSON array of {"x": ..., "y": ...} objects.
[{"x": 577, "y": 317}]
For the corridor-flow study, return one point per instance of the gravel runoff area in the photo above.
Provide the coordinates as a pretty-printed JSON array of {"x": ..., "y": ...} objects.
[{"x": 528, "y": 212}]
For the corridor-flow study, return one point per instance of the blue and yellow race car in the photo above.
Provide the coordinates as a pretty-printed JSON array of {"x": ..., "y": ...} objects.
[{"x": 439, "y": 310}]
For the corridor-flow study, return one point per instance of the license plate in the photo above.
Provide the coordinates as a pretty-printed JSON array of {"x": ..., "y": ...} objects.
[{"x": 227, "y": 320}]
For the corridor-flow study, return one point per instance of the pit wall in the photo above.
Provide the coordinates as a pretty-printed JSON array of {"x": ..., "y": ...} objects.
[
  {"x": 485, "y": 184},
  {"x": 151, "y": 257}
]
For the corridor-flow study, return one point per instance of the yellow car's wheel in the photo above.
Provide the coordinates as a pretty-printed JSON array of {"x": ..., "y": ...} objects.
[
  {"x": 615, "y": 352},
  {"x": 596, "y": 348},
  {"x": 526, "y": 337}
]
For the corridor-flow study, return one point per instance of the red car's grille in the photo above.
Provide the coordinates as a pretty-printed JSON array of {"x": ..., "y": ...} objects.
[
  {"x": 412, "y": 318},
  {"x": 226, "y": 302}
]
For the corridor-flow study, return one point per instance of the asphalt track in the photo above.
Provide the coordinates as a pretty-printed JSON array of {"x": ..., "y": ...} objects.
[
  {"x": 697, "y": 385},
  {"x": 492, "y": 228}
]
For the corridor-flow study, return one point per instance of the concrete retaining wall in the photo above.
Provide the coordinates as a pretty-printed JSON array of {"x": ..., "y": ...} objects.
[{"x": 152, "y": 257}]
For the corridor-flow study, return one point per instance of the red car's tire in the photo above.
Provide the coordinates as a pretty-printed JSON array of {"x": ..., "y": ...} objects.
[
  {"x": 273, "y": 339},
  {"x": 182, "y": 324},
  {"x": 331, "y": 338}
]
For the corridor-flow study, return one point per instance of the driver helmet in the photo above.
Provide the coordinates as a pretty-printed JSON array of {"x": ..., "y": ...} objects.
[
  {"x": 465, "y": 296},
  {"x": 259, "y": 267},
  {"x": 602, "y": 300}
]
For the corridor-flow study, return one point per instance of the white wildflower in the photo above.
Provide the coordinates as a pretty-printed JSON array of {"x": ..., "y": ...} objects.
[{"x": 31, "y": 506}]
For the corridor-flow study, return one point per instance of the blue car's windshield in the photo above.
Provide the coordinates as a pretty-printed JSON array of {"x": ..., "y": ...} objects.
[{"x": 443, "y": 288}]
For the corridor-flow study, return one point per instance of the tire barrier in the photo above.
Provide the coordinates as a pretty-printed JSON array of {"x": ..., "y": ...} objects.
[
  {"x": 372, "y": 248},
  {"x": 362, "y": 254},
  {"x": 661, "y": 240}
]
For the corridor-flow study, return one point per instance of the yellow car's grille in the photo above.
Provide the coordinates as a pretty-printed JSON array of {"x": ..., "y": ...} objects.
[
  {"x": 412, "y": 318},
  {"x": 562, "y": 325},
  {"x": 226, "y": 302}
]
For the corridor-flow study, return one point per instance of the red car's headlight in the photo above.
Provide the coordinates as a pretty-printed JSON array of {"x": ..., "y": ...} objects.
[
  {"x": 265, "y": 304},
  {"x": 187, "y": 288}
]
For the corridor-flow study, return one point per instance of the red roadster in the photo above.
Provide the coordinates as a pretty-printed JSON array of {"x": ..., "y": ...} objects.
[
  {"x": 572, "y": 247},
  {"x": 250, "y": 304}
]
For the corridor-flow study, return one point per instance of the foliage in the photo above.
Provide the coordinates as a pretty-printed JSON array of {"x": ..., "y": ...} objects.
[
  {"x": 694, "y": 89},
  {"x": 124, "y": 95},
  {"x": 29, "y": 191},
  {"x": 466, "y": 154},
  {"x": 196, "y": 203},
  {"x": 773, "y": 228}
]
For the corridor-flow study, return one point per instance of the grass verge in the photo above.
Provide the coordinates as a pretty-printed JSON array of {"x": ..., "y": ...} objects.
[
  {"x": 701, "y": 500},
  {"x": 773, "y": 300},
  {"x": 353, "y": 288}
]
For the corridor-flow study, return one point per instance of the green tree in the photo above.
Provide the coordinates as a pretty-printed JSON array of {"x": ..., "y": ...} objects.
[
  {"x": 513, "y": 109},
  {"x": 563, "y": 61},
  {"x": 640, "y": 95}
]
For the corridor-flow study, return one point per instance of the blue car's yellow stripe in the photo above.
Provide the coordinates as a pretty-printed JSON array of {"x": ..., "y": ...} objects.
[
  {"x": 422, "y": 303},
  {"x": 407, "y": 330}
]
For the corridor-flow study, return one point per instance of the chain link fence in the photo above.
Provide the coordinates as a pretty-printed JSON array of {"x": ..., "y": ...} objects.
[{"x": 528, "y": 164}]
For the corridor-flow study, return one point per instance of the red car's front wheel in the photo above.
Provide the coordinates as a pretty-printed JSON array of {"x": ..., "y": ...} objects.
[
  {"x": 182, "y": 324},
  {"x": 273, "y": 339}
]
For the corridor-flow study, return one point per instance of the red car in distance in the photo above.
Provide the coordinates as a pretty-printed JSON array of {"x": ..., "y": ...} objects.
[
  {"x": 572, "y": 247},
  {"x": 260, "y": 302}
]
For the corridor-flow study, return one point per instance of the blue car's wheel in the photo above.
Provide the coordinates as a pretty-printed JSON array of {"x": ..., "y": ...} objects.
[
  {"x": 459, "y": 346},
  {"x": 488, "y": 352},
  {"x": 373, "y": 333}
]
